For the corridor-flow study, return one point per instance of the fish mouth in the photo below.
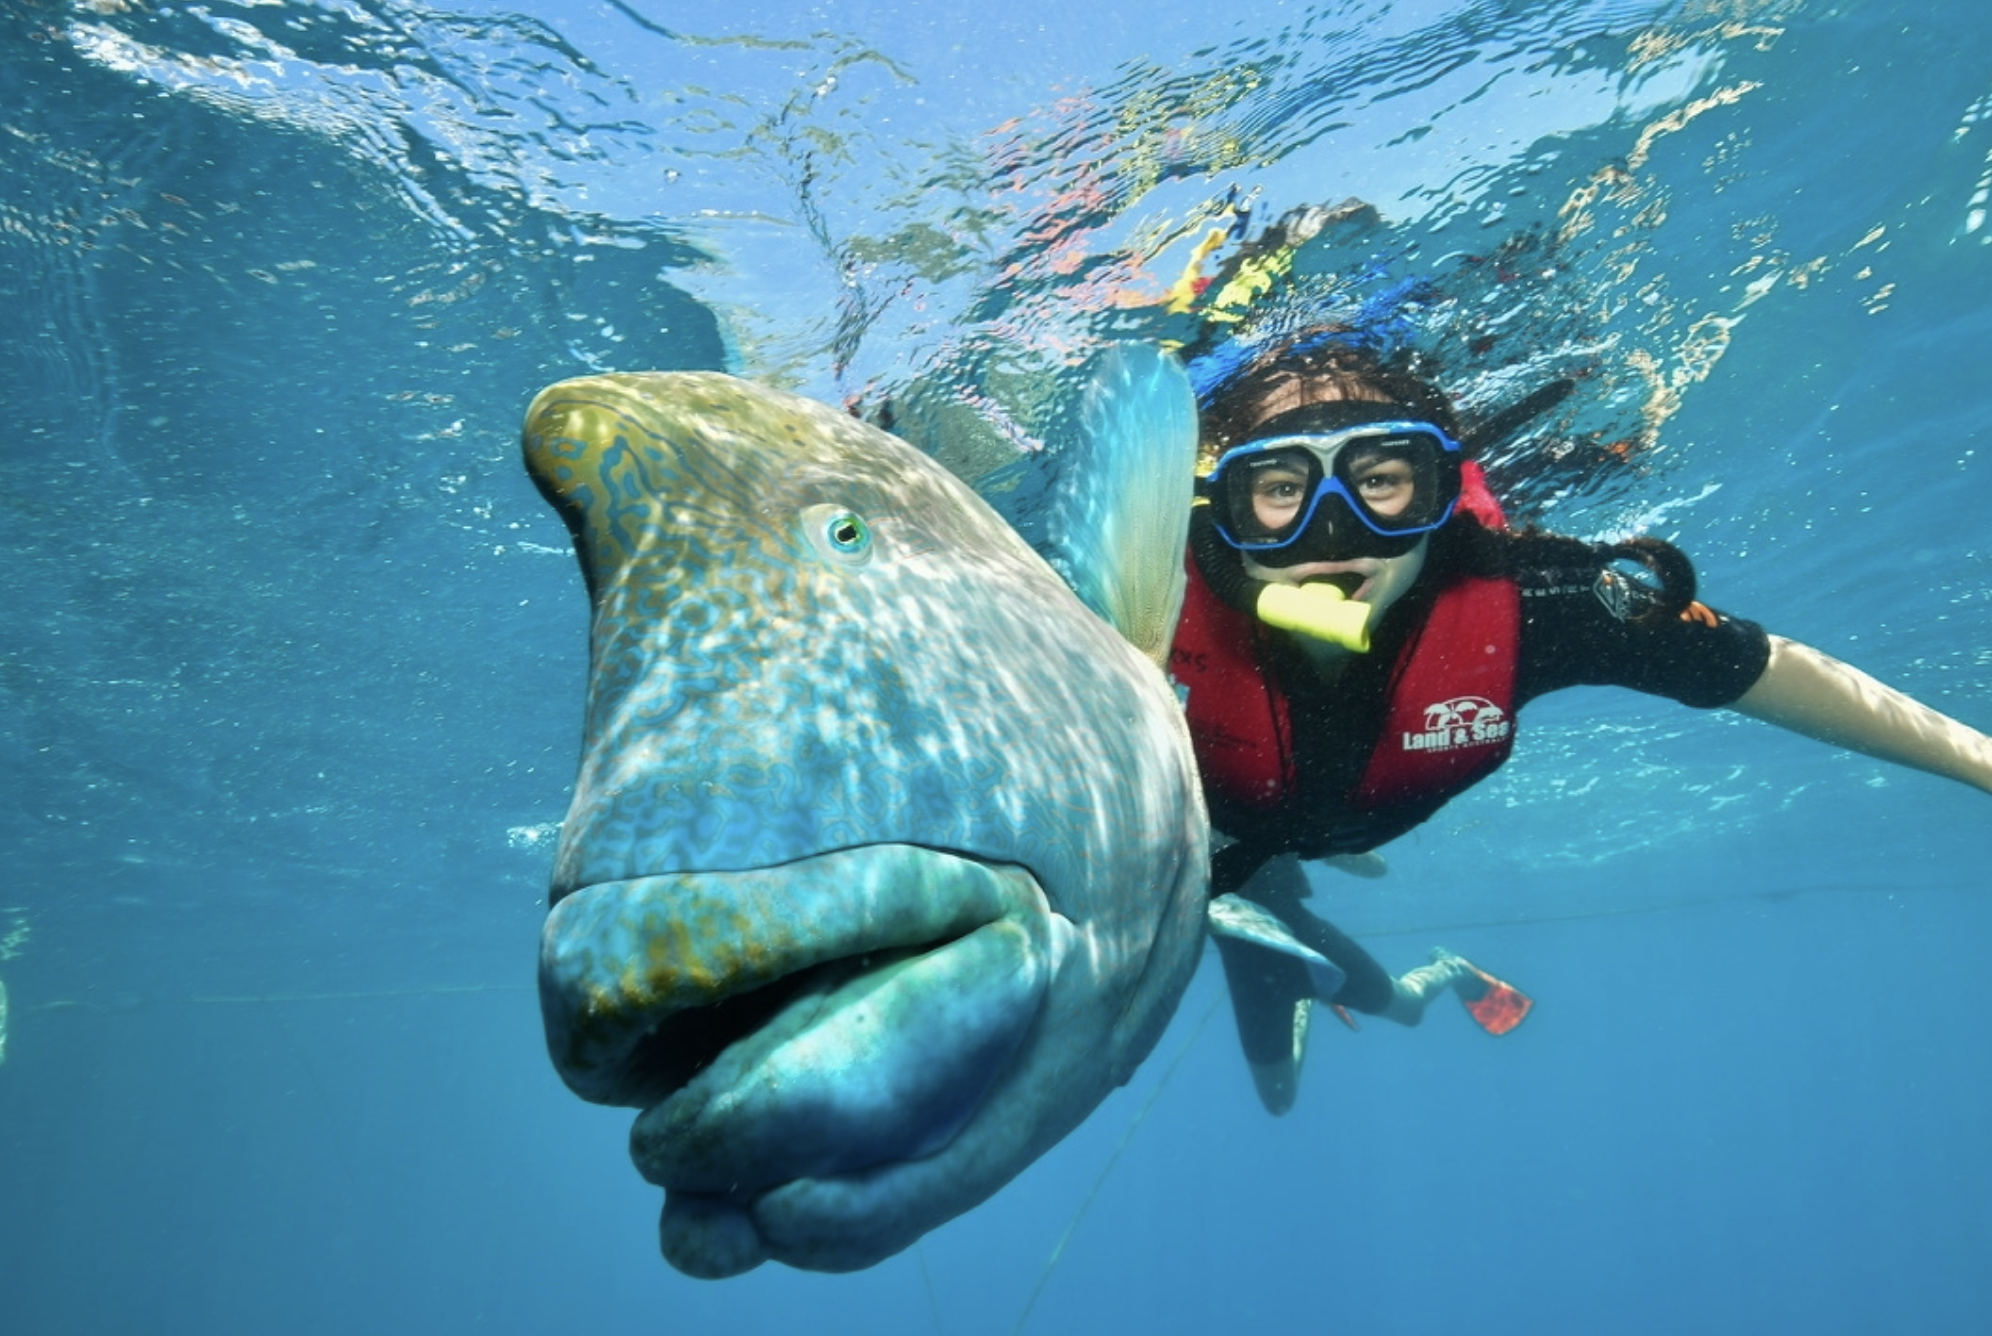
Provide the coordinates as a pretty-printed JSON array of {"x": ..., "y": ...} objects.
[{"x": 816, "y": 1023}]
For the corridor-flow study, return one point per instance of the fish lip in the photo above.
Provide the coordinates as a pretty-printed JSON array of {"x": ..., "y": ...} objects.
[
  {"x": 831, "y": 1157},
  {"x": 874, "y": 1065},
  {"x": 797, "y": 1098},
  {"x": 620, "y": 959}
]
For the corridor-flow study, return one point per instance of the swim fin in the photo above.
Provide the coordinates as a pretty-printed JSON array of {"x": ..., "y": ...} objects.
[{"x": 1495, "y": 1005}]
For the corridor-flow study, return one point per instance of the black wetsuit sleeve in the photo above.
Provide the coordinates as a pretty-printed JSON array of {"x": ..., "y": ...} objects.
[{"x": 1583, "y": 626}]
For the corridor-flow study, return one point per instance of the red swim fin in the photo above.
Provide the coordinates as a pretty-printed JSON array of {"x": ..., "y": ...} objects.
[{"x": 1495, "y": 1006}]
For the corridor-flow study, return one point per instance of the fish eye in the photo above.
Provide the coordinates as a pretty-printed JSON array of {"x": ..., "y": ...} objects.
[
  {"x": 848, "y": 533},
  {"x": 839, "y": 533}
]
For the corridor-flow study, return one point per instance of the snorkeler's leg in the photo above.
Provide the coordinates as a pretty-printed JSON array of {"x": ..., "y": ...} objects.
[
  {"x": 1280, "y": 886},
  {"x": 1815, "y": 694},
  {"x": 1415, "y": 988},
  {"x": 1496, "y": 1006},
  {"x": 1271, "y": 1000}
]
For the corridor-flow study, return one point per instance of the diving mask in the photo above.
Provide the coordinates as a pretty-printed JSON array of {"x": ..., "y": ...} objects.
[{"x": 1371, "y": 489}]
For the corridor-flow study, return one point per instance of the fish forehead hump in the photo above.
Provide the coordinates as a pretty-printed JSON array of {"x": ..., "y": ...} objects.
[{"x": 757, "y": 698}]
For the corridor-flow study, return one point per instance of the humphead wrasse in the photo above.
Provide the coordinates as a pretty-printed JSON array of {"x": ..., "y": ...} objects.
[{"x": 887, "y": 860}]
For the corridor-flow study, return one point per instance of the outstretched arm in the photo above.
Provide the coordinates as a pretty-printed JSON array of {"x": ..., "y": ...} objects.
[{"x": 1817, "y": 695}]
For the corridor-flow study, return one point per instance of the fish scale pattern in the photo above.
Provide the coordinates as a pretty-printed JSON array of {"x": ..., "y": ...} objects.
[
  {"x": 886, "y": 859},
  {"x": 754, "y": 702}
]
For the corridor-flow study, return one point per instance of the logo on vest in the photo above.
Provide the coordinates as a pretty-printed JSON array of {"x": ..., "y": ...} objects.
[{"x": 1464, "y": 721}]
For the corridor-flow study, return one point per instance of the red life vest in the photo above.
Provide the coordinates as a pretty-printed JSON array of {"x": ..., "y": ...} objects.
[
  {"x": 1449, "y": 721},
  {"x": 1451, "y": 718},
  {"x": 1239, "y": 719}
]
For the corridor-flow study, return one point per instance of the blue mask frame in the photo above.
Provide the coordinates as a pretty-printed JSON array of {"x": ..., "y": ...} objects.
[{"x": 1326, "y": 450}]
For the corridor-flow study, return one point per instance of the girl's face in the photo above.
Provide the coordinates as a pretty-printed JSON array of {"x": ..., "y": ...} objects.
[{"x": 1386, "y": 485}]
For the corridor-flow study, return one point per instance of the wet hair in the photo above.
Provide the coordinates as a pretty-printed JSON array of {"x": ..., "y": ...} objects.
[
  {"x": 1463, "y": 545},
  {"x": 1322, "y": 357}
]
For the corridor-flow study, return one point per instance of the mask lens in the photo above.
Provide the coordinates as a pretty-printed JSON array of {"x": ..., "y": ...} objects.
[
  {"x": 1401, "y": 481},
  {"x": 1267, "y": 495},
  {"x": 1389, "y": 481}
]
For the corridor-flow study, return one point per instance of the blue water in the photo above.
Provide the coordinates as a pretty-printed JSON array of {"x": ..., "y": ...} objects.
[{"x": 293, "y": 656}]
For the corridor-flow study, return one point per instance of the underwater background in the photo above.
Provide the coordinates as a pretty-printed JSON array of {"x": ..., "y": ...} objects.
[{"x": 292, "y": 668}]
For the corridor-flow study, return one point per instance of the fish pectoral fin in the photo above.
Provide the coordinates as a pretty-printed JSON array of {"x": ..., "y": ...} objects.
[{"x": 1119, "y": 515}]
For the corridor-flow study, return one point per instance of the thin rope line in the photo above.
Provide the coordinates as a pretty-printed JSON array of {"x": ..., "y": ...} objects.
[
  {"x": 1051, "y": 1263},
  {"x": 933, "y": 1298}
]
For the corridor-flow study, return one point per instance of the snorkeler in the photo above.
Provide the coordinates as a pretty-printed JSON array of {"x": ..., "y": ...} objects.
[{"x": 1360, "y": 630}]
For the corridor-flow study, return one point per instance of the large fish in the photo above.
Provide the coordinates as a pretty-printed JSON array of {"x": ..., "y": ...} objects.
[{"x": 886, "y": 860}]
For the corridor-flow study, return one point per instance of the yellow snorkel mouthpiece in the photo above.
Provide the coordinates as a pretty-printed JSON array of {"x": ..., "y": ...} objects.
[{"x": 1318, "y": 610}]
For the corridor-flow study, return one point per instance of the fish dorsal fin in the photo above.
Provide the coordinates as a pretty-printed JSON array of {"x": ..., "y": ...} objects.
[{"x": 1119, "y": 515}]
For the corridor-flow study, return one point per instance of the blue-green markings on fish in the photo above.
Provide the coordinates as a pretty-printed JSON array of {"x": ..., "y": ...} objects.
[{"x": 886, "y": 860}]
